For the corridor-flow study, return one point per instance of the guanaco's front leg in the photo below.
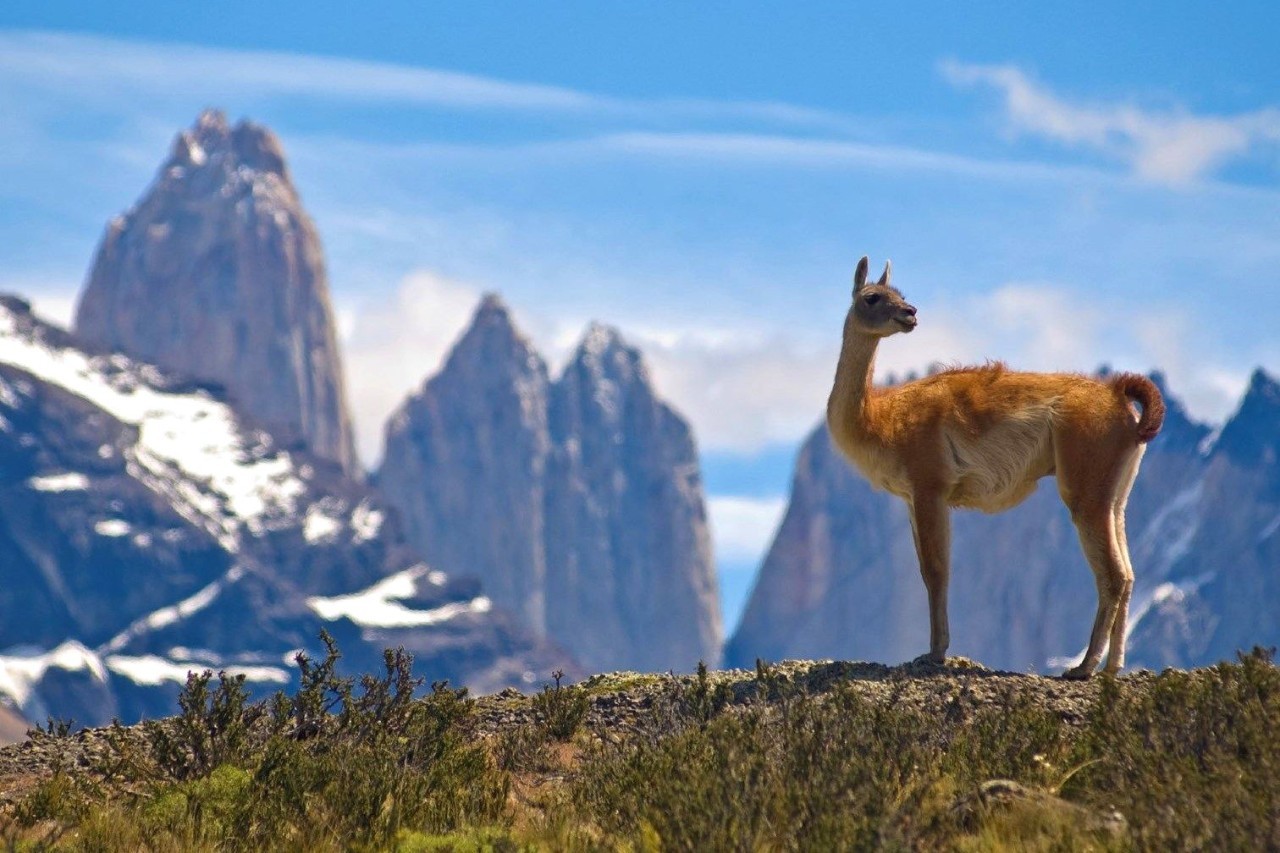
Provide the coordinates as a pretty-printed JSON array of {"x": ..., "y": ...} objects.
[{"x": 931, "y": 526}]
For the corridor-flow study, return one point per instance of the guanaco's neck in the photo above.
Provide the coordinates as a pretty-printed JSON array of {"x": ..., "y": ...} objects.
[{"x": 850, "y": 403}]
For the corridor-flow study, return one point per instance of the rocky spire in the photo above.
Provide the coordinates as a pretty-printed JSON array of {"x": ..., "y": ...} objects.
[
  {"x": 578, "y": 503},
  {"x": 1250, "y": 437},
  {"x": 465, "y": 463},
  {"x": 217, "y": 273},
  {"x": 630, "y": 577}
]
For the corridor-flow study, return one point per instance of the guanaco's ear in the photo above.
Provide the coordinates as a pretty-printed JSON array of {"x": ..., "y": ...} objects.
[
  {"x": 860, "y": 276},
  {"x": 885, "y": 276}
]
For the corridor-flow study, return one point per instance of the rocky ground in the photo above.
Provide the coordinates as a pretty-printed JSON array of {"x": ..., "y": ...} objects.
[{"x": 623, "y": 701}]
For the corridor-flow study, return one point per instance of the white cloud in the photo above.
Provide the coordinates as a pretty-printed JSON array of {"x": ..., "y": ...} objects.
[
  {"x": 1169, "y": 146},
  {"x": 60, "y": 59},
  {"x": 76, "y": 63},
  {"x": 392, "y": 347},
  {"x": 744, "y": 390},
  {"x": 744, "y": 527}
]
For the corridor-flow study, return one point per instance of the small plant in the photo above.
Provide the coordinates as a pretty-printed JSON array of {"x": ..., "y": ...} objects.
[
  {"x": 321, "y": 690},
  {"x": 561, "y": 709},
  {"x": 772, "y": 685},
  {"x": 698, "y": 701},
  {"x": 56, "y": 728},
  {"x": 211, "y": 730}
]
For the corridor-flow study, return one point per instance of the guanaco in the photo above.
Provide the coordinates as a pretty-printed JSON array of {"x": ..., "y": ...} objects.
[{"x": 980, "y": 438}]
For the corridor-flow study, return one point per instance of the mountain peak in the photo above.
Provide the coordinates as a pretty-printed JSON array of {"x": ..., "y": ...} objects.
[
  {"x": 1180, "y": 433},
  {"x": 492, "y": 310},
  {"x": 1263, "y": 385},
  {"x": 600, "y": 338},
  {"x": 212, "y": 143},
  {"x": 217, "y": 274},
  {"x": 492, "y": 333}
]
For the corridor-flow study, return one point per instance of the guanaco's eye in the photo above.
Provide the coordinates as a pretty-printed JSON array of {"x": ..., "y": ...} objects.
[{"x": 871, "y": 298}]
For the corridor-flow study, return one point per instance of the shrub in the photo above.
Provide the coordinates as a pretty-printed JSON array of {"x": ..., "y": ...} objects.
[{"x": 561, "y": 709}]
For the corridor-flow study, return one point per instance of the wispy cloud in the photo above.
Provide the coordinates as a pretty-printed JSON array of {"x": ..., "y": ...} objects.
[
  {"x": 1169, "y": 146},
  {"x": 101, "y": 64}
]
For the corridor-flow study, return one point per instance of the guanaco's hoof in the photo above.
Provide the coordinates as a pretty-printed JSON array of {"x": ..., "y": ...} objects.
[
  {"x": 1078, "y": 673},
  {"x": 930, "y": 657}
]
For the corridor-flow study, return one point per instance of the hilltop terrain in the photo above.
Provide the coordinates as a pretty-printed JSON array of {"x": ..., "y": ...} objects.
[{"x": 799, "y": 755}]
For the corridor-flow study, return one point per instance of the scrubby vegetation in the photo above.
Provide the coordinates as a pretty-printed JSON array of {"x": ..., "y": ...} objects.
[{"x": 793, "y": 757}]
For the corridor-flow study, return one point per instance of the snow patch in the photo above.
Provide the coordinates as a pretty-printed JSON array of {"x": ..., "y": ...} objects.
[
  {"x": 320, "y": 525},
  {"x": 189, "y": 446},
  {"x": 1209, "y": 442},
  {"x": 173, "y": 613},
  {"x": 112, "y": 527},
  {"x": 1169, "y": 535},
  {"x": 153, "y": 670},
  {"x": 68, "y": 482},
  {"x": 379, "y": 606},
  {"x": 365, "y": 522},
  {"x": 20, "y": 673}
]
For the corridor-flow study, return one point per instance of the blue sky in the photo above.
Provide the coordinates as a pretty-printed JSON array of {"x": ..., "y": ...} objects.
[{"x": 1057, "y": 187}]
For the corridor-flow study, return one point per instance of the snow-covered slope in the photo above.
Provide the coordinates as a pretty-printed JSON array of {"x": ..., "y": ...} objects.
[{"x": 147, "y": 529}]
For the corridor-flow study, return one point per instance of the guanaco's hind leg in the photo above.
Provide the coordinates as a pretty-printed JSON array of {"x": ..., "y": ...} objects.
[
  {"x": 1119, "y": 628},
  {"x": 1090, "y": 481},
  {"x": 1098, "y": 541},
  {"x": 931, "y": 527}
]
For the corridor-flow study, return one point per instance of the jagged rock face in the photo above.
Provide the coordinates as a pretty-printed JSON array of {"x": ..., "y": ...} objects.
[
  {"x": 841, "y": 577},
  {"x": 145, "y": 530},
  {"x": 217, "y": 274},
  {"x": 466, "y": 459},
  {"x": 578, "y": 503},
  {"x": 629, "y": 565},
  {"x": 1223, "y": 594}
]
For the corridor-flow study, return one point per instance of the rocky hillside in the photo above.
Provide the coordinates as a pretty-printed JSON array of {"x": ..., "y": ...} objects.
[
  {"x": 577, "y": 502},
  {"x": 841, "y": 578},
  {"x": 796, "y": 756},
  {"x": 217, "y": 274},
  {"x": 147, "y": 529}
]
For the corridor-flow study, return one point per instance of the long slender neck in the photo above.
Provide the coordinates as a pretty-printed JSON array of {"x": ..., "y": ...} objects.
[{"x": 849, "y": 406}]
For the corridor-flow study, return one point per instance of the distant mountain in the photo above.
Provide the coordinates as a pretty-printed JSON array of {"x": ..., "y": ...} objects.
[
  {"x": 217, "y": 274},
  {"x": 147, "y": 528},
  {"x": 841, "y": 578},
  {"x": 578, "y": 502}
]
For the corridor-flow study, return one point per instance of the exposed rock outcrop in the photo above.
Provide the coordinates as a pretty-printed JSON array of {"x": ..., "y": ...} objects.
[
  {"x": 578, "y": 503},
  {"x": 217, "y": 274}
]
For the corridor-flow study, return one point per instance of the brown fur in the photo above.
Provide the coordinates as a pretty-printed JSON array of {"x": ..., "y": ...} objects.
[{"x": 980, "y": 438}]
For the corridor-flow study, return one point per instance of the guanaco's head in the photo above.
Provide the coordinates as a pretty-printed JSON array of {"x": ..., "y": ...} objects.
[{"x": 878, "y": 308}]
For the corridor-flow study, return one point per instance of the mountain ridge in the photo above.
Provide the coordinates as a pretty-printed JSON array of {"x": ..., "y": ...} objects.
[{"x": 148, "y": 529}]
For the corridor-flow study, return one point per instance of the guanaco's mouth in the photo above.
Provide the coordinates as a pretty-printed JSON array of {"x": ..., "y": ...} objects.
[{"x": 907, "y": 323}]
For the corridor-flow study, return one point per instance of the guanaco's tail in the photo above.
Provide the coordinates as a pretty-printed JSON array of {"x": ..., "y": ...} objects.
[{"x": 1144, "y": 391}]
